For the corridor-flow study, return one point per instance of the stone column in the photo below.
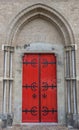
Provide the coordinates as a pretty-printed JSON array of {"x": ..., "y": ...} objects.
[
  {"x": 7, "y": 116},
  {"x": 75, "y": 112},
  {"x": 72, "y": 114},
  {"x": 4, "y": 83},
  {"x": 10, "y": 84},
  {"x": 68, "y": 83}
]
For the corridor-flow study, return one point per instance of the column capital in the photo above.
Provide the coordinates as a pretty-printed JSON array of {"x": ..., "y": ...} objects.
[
  {"x": 8, "y": 48},
  {"x": 71, "y": 47}
]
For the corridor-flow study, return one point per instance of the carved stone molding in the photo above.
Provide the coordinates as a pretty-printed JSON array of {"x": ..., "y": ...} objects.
[{"x": 40, "y": 11}]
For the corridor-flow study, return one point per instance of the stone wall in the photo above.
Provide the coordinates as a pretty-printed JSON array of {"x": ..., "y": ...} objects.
[{"x": 38, "y": 30}]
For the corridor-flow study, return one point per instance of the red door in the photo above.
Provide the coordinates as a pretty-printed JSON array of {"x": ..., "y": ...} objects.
[{"x": 39, "y": 88}]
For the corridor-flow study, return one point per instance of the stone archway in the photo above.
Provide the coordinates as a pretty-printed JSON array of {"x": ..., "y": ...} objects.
[
  {"x": 44, "y": 12},
  {"x": 40, "y": 11}
]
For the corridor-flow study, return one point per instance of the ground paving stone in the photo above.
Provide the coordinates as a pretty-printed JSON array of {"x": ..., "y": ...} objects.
[
  {"x": 37, "y": 128},
  {"x": 21, "y": 127}
]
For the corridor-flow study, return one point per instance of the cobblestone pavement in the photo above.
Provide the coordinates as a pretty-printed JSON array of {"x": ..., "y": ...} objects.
[{"x": 38, "y": 128}]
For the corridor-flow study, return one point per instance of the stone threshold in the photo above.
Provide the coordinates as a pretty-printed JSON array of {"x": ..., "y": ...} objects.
[{"x": 37, "y": 127}]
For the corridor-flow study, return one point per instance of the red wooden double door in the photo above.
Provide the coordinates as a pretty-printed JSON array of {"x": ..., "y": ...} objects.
[{"x": 39, "y": 88}]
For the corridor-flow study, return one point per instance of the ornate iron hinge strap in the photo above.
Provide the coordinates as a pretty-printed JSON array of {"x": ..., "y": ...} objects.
[
  {"x": 33, "y": 62},
  {"x": 33, "y": 110},
  {"x": 46, "y": 86},
  {"x": 32, "y": 86},
  {"x": 45, "y": 62},
  {"x": 45, "y": 110}
]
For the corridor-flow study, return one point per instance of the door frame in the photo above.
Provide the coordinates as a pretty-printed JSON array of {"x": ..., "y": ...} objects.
[{"x": 58, "y": 50}]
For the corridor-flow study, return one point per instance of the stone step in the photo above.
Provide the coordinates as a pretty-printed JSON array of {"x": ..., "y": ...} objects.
[{"x": 36, "y": 127}]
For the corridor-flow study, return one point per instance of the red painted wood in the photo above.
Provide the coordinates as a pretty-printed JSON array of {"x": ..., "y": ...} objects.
[
  {"x": 43, "y": 73},
  {"x": 30, "y": 76},
  {"x": 48, "y": 77}
]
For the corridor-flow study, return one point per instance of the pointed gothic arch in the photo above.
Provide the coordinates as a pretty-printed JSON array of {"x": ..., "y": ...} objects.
[{"x": 40, "y": 11}]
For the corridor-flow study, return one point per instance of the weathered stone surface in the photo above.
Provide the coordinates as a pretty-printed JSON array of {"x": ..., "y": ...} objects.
[
  {"x": 37, "y": 30},
  {"x": 58, "y": 127},
  {"x": 38, "y": 128}
]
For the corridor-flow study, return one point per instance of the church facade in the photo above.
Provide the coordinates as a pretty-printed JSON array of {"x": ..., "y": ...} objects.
[{"x": 39, "y": 62}]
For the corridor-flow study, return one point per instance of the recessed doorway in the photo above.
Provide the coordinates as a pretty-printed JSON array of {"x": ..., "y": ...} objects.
[{"x": 39, "y": 88}]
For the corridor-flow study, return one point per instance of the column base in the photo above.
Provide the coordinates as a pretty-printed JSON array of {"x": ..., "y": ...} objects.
[
  {"x": 69, "y": 120},
  {"x": 75, "y": 120},
  {"x": 72, "y": 120},
  {"x": 6, "y": 120}
]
